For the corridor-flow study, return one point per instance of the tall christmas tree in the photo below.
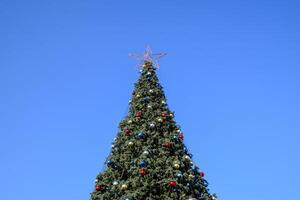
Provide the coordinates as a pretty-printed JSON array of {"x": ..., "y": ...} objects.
[{"x": 149, "y": 160}]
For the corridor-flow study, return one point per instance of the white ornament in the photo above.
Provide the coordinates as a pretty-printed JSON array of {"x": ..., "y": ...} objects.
[
  {"x": 138, "y": 95},
  {"x": 151, "y": 91},
  {"x": 148, "y": 73},
  {"x": 115, "y": 183},
  {"x": 129, "y": 121},
  {"x": 160, "y": 119},
  {"x": 152, "y": 125},
  {"x": 112, "y": 146},
  {"x": 149, "y": 106},
  {"x": 141, "y": 70},
  {"x": 146, "y": 152},
  {"x": 178, "y": 131},
  {"x": 96, "y": 180},
  {"x": 187, "y": 157},
  {"x": 163, "y": 102}
]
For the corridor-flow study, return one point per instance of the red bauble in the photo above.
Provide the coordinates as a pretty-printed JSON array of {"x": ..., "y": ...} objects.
[
  {"x": 164, "y": 114},
  {"x": 127, "y": 131},
  {"x": 138, "y": 114},
  {"x": 98, "y": 188},
  {"x": 180, "y": 137},
  {"x": 168, "y": 145},
  {"x": 142, "y": 172},
  {"x": 173, "y": 183},
  {"x": 201, "y": 174}
]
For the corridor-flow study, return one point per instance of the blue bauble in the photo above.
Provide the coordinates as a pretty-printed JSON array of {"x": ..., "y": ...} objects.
[
  {"x": 140, "y": 134},
  {"x": 142, "y": 163},
  {"x": 179, "y": 175},
  {"x": 110, "y": 163}
]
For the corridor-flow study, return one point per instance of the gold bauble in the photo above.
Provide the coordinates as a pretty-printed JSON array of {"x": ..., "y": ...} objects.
[
  {"x": 124, "y": 187},
  {"x": 176, "y": 166}
]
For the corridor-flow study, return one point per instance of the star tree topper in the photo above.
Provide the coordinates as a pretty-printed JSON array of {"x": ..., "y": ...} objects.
[{"x": 149, "y": 57}]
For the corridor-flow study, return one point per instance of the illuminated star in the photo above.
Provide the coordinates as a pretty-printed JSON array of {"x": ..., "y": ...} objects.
[{"x": 148, "y": 56}]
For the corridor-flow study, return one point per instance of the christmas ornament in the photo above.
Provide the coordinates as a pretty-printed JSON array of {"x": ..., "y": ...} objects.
[
  {"x": 142, "y": 172},
  {"x": 149, "y": 106},
  {"x": 110, "y": 163},
  {"x": 146, "y": 152},
  {"x": 138, "y": 95},
  {"x": 171, "y": 115},
  {"x": 213, "y": 198},
  {"x": 163, "y": 102},
  {"x": 180, "y": 137},
  {"x": 179, "y": 175},
  {"x": 129, "y": 121},
  {"x": 96, "y": 180},
  {"x": 176, "y": 166},
  {"x": 128, "y": 198},
  {"x": 142, "y": 163},
  {"x": 152, "y": 125},
  {"x": 151, "y": 91},
  {"x": 115, "y": 183},
  {"x": 98, "y": 188},
  {"x": 138, "y": 114},
  {"x": 186, "y": 157},
  {"x": 201, "y": 174},
  {"x": 168, "y": 145},
  {"x": 130, "y": 143},
  {"x": 191, "y": 177},
  {"x": 140, "y": 134},
  {"x": 127, "y": 131},
  {"x": 160, "y": 119},
  {"x": 163, "y": 114},
  {"x": 148, "y": 73},
  {"x": 173, "y": 183},
  {"x": 124, "y": 187},
  {"x": 145, "y": 100}
]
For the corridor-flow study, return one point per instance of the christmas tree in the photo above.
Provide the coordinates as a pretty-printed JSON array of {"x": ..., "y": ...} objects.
[{"x": 149, "y": 160}]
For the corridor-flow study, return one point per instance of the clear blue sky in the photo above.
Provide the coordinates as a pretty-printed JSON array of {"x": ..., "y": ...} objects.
[{"x": 232, "y": 76}]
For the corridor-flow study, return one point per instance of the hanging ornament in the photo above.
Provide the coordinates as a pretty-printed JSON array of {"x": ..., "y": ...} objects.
[
  {"x": 191, "y": 177},
  {"x": 112, "y": 146},
  {"x": 176, "y": 166},
  {"x": 179, "y": 175},
  {"x": 146, "y": 152},
  {"x": 130, "y": 143},
  {"x": 145, "y": 100},
  {"x": 173, "y": 183},
  {"x": 110, "y": 163},
  {"x": 149, "y": 106},
  {"x": 96, "y": 181},
  {"x": 163, "y": 102},
  {"x": 152, "y": 125},
  {"x": 171, "y": 115},
  {"x": 115, "y": 183},
  {"x": 163, "y": 114},
  {"x": 186, "y": 157},
  {"x": 148, "y": 73},
  {"x": 129, "y": 121},
  {"x": 138, "y": 114},
  {"x": 142, "y": 163},
  {"x": 98, "y": 188},
  {"x": 160, "y": 119},
  {"x": 142, "y": 172},
  {"x": 124, "y": 187},
  {"x": 127, "y": 131},
  {"x": 140, "y": 135},
  {"x": 213, "y": 198},
  {"x": 180, "y": 137},
  {"x": 141, "y": 71},
  {"x": 168, "y": 145},
  {"x": 138, "y": 95},
  {"x": 128, "y": 198},
  {"x": 201, "y": 174},
  {"x": 151, "y": 91}
]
